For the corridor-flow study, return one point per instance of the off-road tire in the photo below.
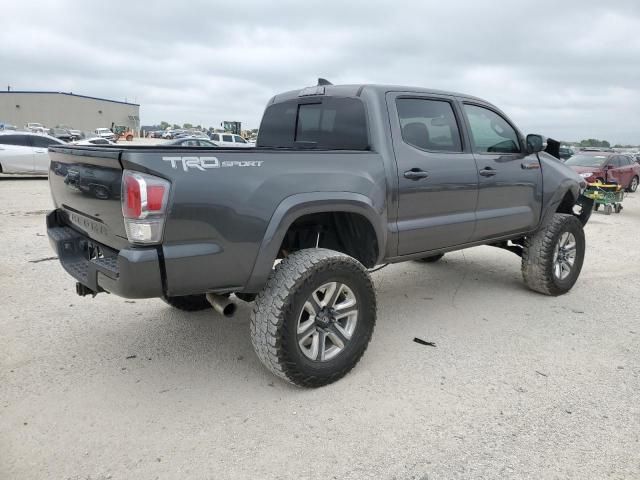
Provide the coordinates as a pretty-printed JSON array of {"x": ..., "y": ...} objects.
[
  {"x": 188, "y": 303},
  {"x": 431, "y": 259},
  {"x": 277, "y": 308},
  {"x": 538, "y": 253}
]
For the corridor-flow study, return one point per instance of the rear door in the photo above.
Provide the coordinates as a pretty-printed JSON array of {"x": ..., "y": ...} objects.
[
  {"x": 624, "y": 171},
  {"x": 510, "y": 181},
  {"x": 41, "y": 152},
  {"x": 437, "y": 173},
  {"x": 227, "y": 141},
  {"x": 16, "y": 153}
]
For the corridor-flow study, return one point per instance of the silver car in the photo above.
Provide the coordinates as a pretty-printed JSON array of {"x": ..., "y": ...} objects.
[{"x": 25, "y": 152}]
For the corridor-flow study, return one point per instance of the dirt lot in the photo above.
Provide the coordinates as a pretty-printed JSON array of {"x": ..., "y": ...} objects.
[{"x": 518, "y": 386}]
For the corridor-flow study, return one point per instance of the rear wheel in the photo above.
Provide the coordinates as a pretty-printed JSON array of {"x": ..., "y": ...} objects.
[
  {"x": 431, "y": 259},
  {"x": 188, "y": 303},
  {"x": 313, "y": 321},
  {"x": 633, "y": 186},
  {"x": 552, "y": 258}
]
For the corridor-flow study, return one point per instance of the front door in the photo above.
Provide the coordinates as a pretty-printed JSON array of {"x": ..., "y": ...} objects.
[
  {"x": 437, "y": 173},
  {"x": 510, "y": 180}
]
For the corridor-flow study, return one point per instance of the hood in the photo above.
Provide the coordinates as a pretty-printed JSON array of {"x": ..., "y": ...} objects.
[{"x": 581, "y": 169}]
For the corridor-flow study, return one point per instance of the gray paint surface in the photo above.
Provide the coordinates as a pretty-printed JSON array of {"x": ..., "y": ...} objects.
[{"x": 224, "y": 225}]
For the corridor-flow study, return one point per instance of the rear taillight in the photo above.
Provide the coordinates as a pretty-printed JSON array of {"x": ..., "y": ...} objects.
[{"x": 144, "y": 205}]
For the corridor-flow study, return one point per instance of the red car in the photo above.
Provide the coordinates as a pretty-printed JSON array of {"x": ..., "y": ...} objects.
[{"x": 607, "y": 167}]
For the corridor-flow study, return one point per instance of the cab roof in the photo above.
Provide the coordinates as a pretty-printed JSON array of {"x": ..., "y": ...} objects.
[{"x": 356, "y": 90}]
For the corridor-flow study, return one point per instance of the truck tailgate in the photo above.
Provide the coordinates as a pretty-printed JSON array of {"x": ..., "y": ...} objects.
[{"x": 85, "y": 185}]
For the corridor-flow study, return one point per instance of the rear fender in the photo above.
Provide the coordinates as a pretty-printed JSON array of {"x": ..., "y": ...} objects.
[{"x": 298, "y": 205}]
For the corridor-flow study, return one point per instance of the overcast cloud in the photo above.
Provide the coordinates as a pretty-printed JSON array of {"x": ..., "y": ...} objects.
[{"x": 569, "y": 69}]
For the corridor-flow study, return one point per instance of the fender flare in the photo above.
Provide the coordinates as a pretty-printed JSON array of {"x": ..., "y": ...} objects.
[
  {"x": 568, "y": 186},
  {"x": 296, "y": 206}
]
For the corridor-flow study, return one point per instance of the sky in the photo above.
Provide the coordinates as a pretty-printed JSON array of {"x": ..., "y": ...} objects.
[{"x": 567, "y": 69}]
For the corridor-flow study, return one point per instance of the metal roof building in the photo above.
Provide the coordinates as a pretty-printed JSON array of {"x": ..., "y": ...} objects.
[{"x": 59, "y": 108}]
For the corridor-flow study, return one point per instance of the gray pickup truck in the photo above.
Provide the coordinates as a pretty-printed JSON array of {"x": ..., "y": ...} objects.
[{"x": 343, "y": 178}]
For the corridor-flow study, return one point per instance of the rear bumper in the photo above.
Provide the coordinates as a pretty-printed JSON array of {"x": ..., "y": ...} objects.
[{"x": 129, "y": 273}]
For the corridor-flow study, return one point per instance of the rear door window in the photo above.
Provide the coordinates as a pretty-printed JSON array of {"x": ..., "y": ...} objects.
[
  {"x": 18, "y": 140},
  {"x": 43, "y": 142},
  {"x": 327, "y": 123},
  {"x": 429, "y": 124},
  {"x": 227, "y": 138},
  {"x": 490, "y": 133}
]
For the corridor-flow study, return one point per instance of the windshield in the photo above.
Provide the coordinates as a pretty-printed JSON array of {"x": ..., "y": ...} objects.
[{"x": 587, "y": 160}]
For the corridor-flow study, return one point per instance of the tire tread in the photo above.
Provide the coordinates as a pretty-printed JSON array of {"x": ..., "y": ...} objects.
[{"x": 274, "y": 302}]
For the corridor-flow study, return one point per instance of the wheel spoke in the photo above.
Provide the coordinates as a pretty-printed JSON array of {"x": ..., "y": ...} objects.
[
  {"x": 557, "y": 269},
  {"x": 346, "y": 311},
  {"x": 304, "y": 326},
  {"x": 335, "y": 294},
  {"x": 338, "y": 336},
  {"x": 322, "y": 342},
  {"x": 313, "y": 349},
  {"x": 327, "y": 291}
]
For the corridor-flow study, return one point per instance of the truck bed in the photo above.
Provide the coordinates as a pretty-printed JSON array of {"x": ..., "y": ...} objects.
[{"x": 220, "y": 201}]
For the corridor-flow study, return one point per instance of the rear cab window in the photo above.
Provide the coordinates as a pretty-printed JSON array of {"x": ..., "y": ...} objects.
[{"x": 325, "y": 123}]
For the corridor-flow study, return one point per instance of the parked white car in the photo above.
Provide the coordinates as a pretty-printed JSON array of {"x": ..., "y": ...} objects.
[
  {"x": 229, "y": 140},
  {"x": 25, "y": 152},
  {"x": 33, "y": 126},
  {"x": 94, "y": 141},
  {"x": 105, "y": 133}
]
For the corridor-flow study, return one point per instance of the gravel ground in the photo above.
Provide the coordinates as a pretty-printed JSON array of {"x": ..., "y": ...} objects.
[{"x": 519, "y": 385}]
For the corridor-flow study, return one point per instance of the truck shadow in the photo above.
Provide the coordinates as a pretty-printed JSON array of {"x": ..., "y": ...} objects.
[{"x": 204, "y": 350}]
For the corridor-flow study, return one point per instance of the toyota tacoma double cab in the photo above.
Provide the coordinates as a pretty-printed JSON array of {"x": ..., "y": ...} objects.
[{"x": 343, "y": 178}]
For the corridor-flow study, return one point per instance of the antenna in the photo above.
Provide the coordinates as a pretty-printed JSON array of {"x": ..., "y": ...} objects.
[{"x": 324, "y": 81}]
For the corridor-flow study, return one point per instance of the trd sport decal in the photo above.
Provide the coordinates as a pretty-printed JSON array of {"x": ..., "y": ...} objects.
[{"x": 205, "y": 163}]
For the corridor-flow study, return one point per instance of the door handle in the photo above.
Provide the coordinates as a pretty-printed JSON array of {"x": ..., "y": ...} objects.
[
  {"x": 415, "y": 174},
  {"x": 488, "y": 172},
  {"x": 530, "y": 166}
]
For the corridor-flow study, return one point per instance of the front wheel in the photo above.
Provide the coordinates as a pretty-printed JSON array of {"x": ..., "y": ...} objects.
[
  {"x": 633, "y": 186},
  {"x": 552, "y": 258},
  {"x": 312, "y": 322}
]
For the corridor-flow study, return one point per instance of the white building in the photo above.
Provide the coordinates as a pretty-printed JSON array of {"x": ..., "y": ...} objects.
[{"x": 59, "y": 108}]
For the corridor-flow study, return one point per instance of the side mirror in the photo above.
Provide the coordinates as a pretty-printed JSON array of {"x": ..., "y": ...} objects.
[{"x": 535, "y": 143}]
